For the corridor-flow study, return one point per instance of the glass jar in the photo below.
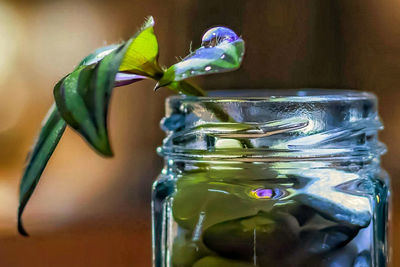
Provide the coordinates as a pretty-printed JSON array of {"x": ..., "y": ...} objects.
[{"x": 271, "y": 178}]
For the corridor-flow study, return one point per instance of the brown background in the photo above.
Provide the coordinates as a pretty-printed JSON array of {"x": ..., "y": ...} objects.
[{"x": 91, "y": 211}]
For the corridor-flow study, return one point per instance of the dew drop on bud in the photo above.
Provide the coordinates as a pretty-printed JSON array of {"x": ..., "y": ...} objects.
[{"x": 217, "y": 35}]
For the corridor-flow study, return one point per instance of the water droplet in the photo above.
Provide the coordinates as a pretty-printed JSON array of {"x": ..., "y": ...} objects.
[
  {"x": 192, "y": 72},
  {"x": 208, "y": 68},
  {"x": 183, "y": 108},
  {"x": 217, "y": 35},
  {"x": 223, "y": 56},
  {"x": 160, "y": 151}
]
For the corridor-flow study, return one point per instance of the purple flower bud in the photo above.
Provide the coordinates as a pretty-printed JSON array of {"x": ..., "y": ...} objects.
[{"x": 123, "y": 78}]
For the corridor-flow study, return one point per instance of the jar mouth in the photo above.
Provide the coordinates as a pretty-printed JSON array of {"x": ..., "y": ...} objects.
[
  {"x": 273, "y": 125},
  {"x": 282, "y": 95}
]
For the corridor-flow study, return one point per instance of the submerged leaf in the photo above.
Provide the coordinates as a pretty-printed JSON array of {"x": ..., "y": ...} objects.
[
  {"x": 222, "y": 50},
  {"x": 47, "y": 141}
]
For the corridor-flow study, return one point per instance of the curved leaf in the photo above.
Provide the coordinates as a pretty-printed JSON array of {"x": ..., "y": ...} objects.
[
  {"x": 73, "y": 108},
  {"x": 97, "y": 55},
  {"x": 142, "y": 55},
  {"x": 84, "y": 95},
  {"x": 221, "y": 51},
  {"x": 122, "y": 78},
  {"x": 88, "y": 87},
  {"x": 47, "y": 141}
]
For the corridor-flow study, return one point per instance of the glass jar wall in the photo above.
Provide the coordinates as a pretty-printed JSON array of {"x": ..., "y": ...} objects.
[{"x": 271, "y": 178}]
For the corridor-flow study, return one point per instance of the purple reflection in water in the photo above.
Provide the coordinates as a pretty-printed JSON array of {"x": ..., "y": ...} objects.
[{"x": 263, "y": 193}]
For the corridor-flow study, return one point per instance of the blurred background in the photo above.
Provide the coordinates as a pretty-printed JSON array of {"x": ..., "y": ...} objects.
[{"x": 91, "y": 211}]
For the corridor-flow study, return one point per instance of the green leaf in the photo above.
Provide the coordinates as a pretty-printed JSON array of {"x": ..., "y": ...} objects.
[
  {"x": 73, "y": 108},
  {"x": 186, "y": 88},
  {"x": 84, "y": 95},
  {"x": 97, "y": 55},
  {"x": 83, "y": 98},
  {"x": 49, "y": 137},
  {"x": 142, "y": 55},
  {"x": 221, "y": 51}
]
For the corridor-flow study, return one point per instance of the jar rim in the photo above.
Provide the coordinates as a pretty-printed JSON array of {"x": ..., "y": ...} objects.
[
  {"x": 280, "y": 95},
  {"x": 284, "y": 124}
]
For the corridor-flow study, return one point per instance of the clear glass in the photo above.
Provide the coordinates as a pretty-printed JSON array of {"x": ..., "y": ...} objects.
[{"x": 271, "y": 178}]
